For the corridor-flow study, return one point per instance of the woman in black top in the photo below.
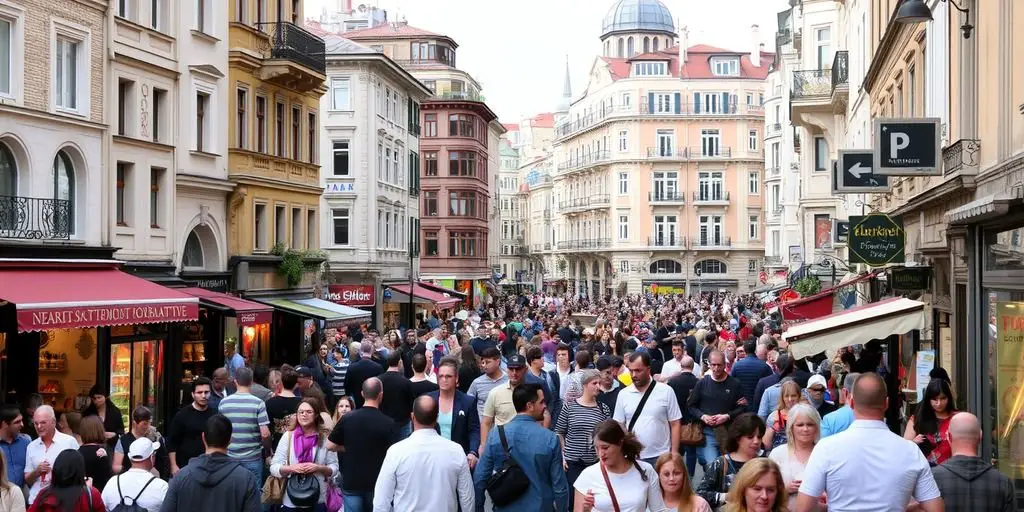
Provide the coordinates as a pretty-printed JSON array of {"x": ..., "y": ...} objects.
[
  {"x": 94, "y": 451},
  {"x": 469, "y": 368},
  {"x": 742, "y": 445},
  {"x": 109, "y": 414}
]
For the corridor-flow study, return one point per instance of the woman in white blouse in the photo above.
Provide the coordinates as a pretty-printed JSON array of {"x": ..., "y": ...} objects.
[
  {"x": 803, "y": 430},
  {"x": 634, "y": 483},
  {"x": 303, "y": 450}
]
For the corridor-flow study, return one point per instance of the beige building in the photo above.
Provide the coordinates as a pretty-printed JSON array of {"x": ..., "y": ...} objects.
[{"x": 660, "y": 164}]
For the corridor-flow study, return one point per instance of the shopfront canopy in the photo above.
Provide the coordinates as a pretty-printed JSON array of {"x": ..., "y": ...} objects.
[
  {"x": 246, "y": 312},
  {"x": 333, "y": 315},
  {"x": 64, "y": 294},
  {"x": 421, "y": 295},
  {"x": 859, "y": 325}
]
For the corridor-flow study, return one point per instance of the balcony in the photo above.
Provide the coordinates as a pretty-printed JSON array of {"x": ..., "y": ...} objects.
[
  {"x": 811, "y": 94},
  {"x": 774, "y": 173},
  {"x": 961, "y": 158},
  {"x": 547, "y": 214},
  {"x": 35, "y": 218},
  {"x": 599, "y": 201},
  {"x": 588, "y": 160},
  {"x": 666, "y": 197},
  {"x": 670, "y": 241},
  {"x": 583, "y": 203},
  {"x": 711, "y": 198},
  {"x": 773, "y": 130},
  {"x": 712, "y": 242},
  {"x": 591, "y": 243},
  {"x": 658, "y": 153},
  {"x": 701, "y": 153},
  {"x": 458, "y": 96},
  {"x": 297, "y": 57},
  {"x": 840, "y": 81}
]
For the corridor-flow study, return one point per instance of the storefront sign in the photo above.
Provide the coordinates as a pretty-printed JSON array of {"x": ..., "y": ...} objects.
[
  {"x": 910, "y": 278},
  {"x": 340, "y": 188},
  {"x": 1010, "y": 387},
  {"x": 213, "y": 281},
  {"x": 877, "y": 239},
  {"x": 249, "y": 318},
  {"x": 355, "y": 295},
  {"x": 97, "y": 316},
  {"x": 664, "y": 289}
]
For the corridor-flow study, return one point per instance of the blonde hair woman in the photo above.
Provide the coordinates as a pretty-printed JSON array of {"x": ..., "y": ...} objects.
[
  {"x": 758, "y": 488},
  {"x": 803, "y": 432},
  {"x": 11, "y": 498},
  {"x": 675, "y": 485},
  {"x": 776, "y": 434}
]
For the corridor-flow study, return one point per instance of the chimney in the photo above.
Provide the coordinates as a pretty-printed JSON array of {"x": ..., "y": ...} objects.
[
  {"x": 684, "y": 43},
  {"x": 755, "y": 43}
]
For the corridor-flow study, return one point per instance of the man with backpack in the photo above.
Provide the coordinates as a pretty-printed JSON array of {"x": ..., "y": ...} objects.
[{"x": 139, "y": 489}]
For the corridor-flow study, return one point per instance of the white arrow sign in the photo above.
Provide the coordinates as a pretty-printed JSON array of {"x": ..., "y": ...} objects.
[{"x": 858, "y": 170}]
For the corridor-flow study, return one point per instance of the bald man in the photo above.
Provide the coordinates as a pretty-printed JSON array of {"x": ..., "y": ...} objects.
[
  {"x": 682, "y": 384},
  {"x": 364, "y": 436},
  {"x": 968, "y": 482},
  {"x": 868, "y": 467}
]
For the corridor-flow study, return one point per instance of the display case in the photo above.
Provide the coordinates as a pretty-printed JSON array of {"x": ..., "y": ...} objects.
[
  {"x": 136, "y": 371},
  {"x": 194, "y": 352}
]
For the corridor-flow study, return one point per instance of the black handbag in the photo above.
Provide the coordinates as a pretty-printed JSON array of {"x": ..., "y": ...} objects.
[
  {"x": 303, "y": 490},
  {"x": 510, "y": 482}
]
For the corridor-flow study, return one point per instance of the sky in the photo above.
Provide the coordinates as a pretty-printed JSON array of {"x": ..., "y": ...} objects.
[{"x": 517, "y": 49}]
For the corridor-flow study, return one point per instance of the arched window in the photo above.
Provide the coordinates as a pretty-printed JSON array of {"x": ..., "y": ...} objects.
[
  {"x": 666, "y": 267},
  {"x": 629, "y": 46},
  {"x": 64, "y": 193},
  {"x": 647, "y": 44},
  {"x": 655, "y": 44},
  {"x": 710, "y": 267},
  {"x": 192, "y": 256},
  {"x": 8, "y": 172},
  {"x": 622, "y": 49}
]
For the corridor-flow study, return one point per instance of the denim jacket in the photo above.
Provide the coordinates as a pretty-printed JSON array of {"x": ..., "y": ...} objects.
[{"x": 539, "y": 453}]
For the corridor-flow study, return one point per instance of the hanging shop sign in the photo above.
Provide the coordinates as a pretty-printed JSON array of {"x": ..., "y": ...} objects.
[
  {"x": 355, "y": 295},
  {"x": 855, "y": 173},
  {"x": 877, "y": 239},
  {"x": 840, "y": 231},
  {"x": 908, "y": 146},
  {"x": 910, "y": 278}
]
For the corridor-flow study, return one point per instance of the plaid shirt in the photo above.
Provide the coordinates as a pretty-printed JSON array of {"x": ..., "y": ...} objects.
[{"x": 971, "y": 484}]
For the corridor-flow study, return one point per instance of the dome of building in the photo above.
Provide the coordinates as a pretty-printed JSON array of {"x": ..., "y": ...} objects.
[{"x": 638, "y": 16}]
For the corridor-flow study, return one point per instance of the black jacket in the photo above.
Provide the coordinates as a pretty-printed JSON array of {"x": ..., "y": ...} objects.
[
  {"x": 465, "y": 422},
  {"x": 212, "y": 482},
  {"x": 682, "y": 385},
  {"x": 972, "y": 484},
  {"x": 113, "y": 422},
  {"x": 714, "y": 486}
]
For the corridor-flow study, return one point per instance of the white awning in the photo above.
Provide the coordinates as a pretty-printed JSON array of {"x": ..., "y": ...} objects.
[
  {"x": 859, "y": 325},
  {"x": 985, "y": 208}
]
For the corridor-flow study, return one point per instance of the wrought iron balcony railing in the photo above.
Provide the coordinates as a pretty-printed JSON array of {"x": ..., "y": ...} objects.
[
  {"x": 840, "y": 69},
  {"x": 671, "y": 241},
  {"x": 710, "y": 197},
  {"x": 659, "y": 152},
  {"x": 810, "y": 83},
  {"x": 35, "y": 218},
  {"x": 585, "y": 160},
  {"x": 710, "y": 152},
  {"x": 459, "y": 96},
  {"x": 962, "y": 155},
  {"x": 292, "y": 42},
  {"x": 665, "y": 196},
  {"x": 712, "y": 241}
]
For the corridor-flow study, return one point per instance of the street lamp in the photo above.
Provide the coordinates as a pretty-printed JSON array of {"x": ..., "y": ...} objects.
[{"x": 916, "y": 11}]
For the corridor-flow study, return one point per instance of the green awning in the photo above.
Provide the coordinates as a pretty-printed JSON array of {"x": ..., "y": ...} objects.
[{"x": 333, "y": 319}]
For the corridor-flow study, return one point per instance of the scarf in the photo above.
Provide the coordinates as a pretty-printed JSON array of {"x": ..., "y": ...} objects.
[{"x": 303, "y": 445}]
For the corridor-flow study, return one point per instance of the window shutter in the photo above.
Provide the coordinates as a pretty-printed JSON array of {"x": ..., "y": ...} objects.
[
  {"x": 679, "y": 102},
  {"x": 696, "y": 103},
  {"x": 650, "y": 103}
]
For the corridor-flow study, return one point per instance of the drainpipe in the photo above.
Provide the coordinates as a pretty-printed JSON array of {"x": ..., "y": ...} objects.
[{"x": 106, "y": 238}]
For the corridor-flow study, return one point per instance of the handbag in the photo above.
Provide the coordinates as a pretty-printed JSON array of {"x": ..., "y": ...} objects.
[
  {"x": 640, "y": 406},
  {"x": 303, "y": 490},
  {"x": 691, "y": 434},
  {"x": 510, "y": 482},
  {"x": 334, "y": 500},
  {"x": 611, "y": 490},
  {"x": 273, "y": 488}
]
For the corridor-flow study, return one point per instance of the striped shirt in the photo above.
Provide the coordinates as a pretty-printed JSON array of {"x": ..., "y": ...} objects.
[
  {"x": 247, "y": 414},
  {"x": 481, "y": 388},
  {"x": 338, "y": 377},
  {"x": 576, "y": 424}
]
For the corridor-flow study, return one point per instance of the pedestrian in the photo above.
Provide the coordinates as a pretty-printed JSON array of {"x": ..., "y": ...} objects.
[
  {"x": 575, "y": 428},
  {"x": 868, "y": 456},
  {"x": 142, "y": 426},
  {"x": 42, "y": 453},
  {"x": 11, "y": 497},
  {"x": 610, "y": 386},
  {"x": 758, "y": 488},
  {"x": 213, "y": 480},
  {"x": 339, "y": 369},
  {"x": 69, "y": 490},
  {"x": 457, "y": 413},
  {"x": 716, "y": 400},
  {"x": 775, "y": 434},
  {"x": 361, "y": 370},
  {"x": 839, "y": 420},
  {"x": 108, "y": 413},
  {"x": 650, "y": 410},
  {"x": 816, "y": 388},
  {"x": 219, "y": 389},
  {"x": 397, "y": 400},
  {"x": 94, "y": 451},
  {"x": 421, "y": 383},
  {"x": 303, "y": 451},
  {"x": 250, "y": 424},
  {"x": 534, "y": 448},
  {"x": 13, "y": 444},
  {"x": 137, "y": 486},
  {"x": 968, "y": 482},
  {"x": 682, "y": 385},
  {"x": 499, "y": 408},
  {"x": 676, "y": 490},
  {"x": 424, "y": 456},
  {"x": 621, "y": 481},
  {"x": 802, "y": 434},
  {"x": 742, "y": 444},
  {"x": 184, "y": 436},
  {"x": 281, "y": 408},
  {"x": 364, "y": 435},
  {"x": 929, "y": 426}
]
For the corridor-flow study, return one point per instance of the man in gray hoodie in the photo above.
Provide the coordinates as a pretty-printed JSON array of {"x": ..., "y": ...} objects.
[
  {"x": 213, "y": 481},
  {"x": 966, "y": 481}
]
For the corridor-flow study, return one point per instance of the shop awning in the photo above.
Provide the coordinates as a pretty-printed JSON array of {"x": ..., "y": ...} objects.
[
  {"x": 246, "y": 311},
  {"x": 442, "y": 290},
  {"x": 333, "y": 317},
  {"x": 988, "y": 207},
  {"x": 858, "y": 325},
  {"x": 64, "y": 294},
  {"x": 421, "y": 295}
]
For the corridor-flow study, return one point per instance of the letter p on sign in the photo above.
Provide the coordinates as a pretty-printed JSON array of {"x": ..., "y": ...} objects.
[{"x": 897, "y": 141}]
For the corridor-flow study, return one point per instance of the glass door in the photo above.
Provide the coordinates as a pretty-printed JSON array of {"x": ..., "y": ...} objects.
[{"x": 136, "y": 371}]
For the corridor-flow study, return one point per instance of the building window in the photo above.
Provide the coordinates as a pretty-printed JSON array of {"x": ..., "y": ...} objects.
[
  {"x": 430, "y": 242},
  {"x": 296, "y": 133},
  {"x": 623, "y": 183},
  {"x": 6, "y": 55},
  {"x": 665, "y": 228},
  {"x": 340, "y": 220},
  {"x": 752, "y": 140},
  {"x": 666, "y": 185},
  {"x": 710, "y": 267},
  {"x": 387, "y": 165},
  {"x": 462, "y": 244},
  {"x": 155, "y": 177},
  {"x": 430, "y": 125},
  {"x": 710, "y": 140},
  {"x": 261, "y": 124},
  {"x": 125, "y": 100},
  {"x": 911, "y": 91},
  {"x": 240, "y": 8},
  {"x": 461, "y": 125},
  {"x": 623, "y": 141},
  {"x": 192, "y": 255},
  {"x": 666, "y": 267},
  {"x": 66, "y": 78},
  {"x": 241, "y": 120},
  {"x": 202, "y": 131},
  {"x": 260, "y": 227},
  {"x": 430, "y": 163},
  {"x": 710, "y": 186},
  {"x": 729, "y": 66},
  {"x": 823, "y": 46},
  {"x": 754, "y": 183},
  {"x": 311, "y": 138},
  {"x": 754, "y": 229},
  {"x": 340, "y": 94},
  {"x": 202, "y": 14},
  {"x": 123, "y": 175},
  {"x": 820, "y": 154},
  {"x": 124, "y": 9},
  {"x": 650, "y": 69},
  {"x": 155, "y": 14},
  {"x": 341, "y": 163},
  {"x": 64, "y": 190},
  {"x": 666, "y": 142},
  {"x": 461, "y": 163},
  {"x": 430, "y": 206},
  {"x": 279, "y": 133},
  {"x": 623, "y": 227},
  {"x": 280, "y": 224},
  {"x": 462, "y": 204},
  {"x": 711, "y": 230},
  {"x": 159, "y": 107}
]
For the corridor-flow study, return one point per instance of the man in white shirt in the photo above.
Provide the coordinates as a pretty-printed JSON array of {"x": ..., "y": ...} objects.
[
  {"x": 657, "y": 426},
  {"x": 137, "y": 486},
  {"x": 867, "y": 467},
  {"x": 673, "y": 366},
  {"x": 424, "y": 471},
  {"x": 43, "y": 451}
]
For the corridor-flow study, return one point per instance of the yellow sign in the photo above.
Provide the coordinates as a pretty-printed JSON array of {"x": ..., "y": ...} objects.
[
  {"x": 661, "y": 289},
  {"x": 1009, "y": 373}
]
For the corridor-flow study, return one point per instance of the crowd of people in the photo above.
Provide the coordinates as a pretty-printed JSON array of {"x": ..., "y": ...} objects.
[{"x": 538, "y": 403}]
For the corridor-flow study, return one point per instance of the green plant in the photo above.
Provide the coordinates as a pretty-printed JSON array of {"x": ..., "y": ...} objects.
[
  {"x": 807, "y": 286},
  {"x": 295, "y": 263}
]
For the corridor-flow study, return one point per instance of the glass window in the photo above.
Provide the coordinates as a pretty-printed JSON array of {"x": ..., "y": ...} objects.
[
  {"x": 666, "y": 267},
  {"x": 6, "y": 48},
  {"x": 754, "y": 182},
  {"x": 66, "y": 80},
  {"x": 8, "y": 172},
  {"x": 341, "y": 158},
  {"x": 192, "y": 256},
  {"x": 1004, "y": 374},
  {"x": 623, "y": 183},
  {"x": 340, "y": 219},
  {"x": 710, "y": 267},
  {"x": 63, "y": 174},
  {"x": 820, "y": 154}
]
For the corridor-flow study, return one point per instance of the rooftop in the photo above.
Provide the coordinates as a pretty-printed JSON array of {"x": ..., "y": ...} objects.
[{"x": 638, "y": 16}]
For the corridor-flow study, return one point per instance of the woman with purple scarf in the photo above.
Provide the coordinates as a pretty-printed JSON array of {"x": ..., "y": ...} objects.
[{"x": 303, "y": 451}]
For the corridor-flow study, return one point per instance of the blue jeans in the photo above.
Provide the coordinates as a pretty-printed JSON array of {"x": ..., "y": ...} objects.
[
  {"x": 709, "y": 451},
  {"x": 357, "y": 501},
  {"x": 256, "y": 468},
  {"x": 403, "y": 432},
  {"x": 689, "y": 454}
]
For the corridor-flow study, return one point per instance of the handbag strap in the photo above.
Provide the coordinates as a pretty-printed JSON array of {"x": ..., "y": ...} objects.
[
  {"x": 611, "y": 490},
  {"x": 640, "y": 406},
  {"x": 504, "y": 442}
]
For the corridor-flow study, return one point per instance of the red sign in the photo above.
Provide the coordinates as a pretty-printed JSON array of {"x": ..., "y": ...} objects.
[
  {"x": 355, "y": 295},
  {"x": 99, "y": 316},
  {"x": 247, "y": 318}
]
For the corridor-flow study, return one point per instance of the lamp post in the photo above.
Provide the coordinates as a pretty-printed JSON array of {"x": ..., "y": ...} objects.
[{"x": 916, "y": 11}]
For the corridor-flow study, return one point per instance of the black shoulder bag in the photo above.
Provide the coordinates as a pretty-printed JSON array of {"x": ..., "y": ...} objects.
[
  {"x": 510, "y": 482},
  {"x": 640, "y": 406}
]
